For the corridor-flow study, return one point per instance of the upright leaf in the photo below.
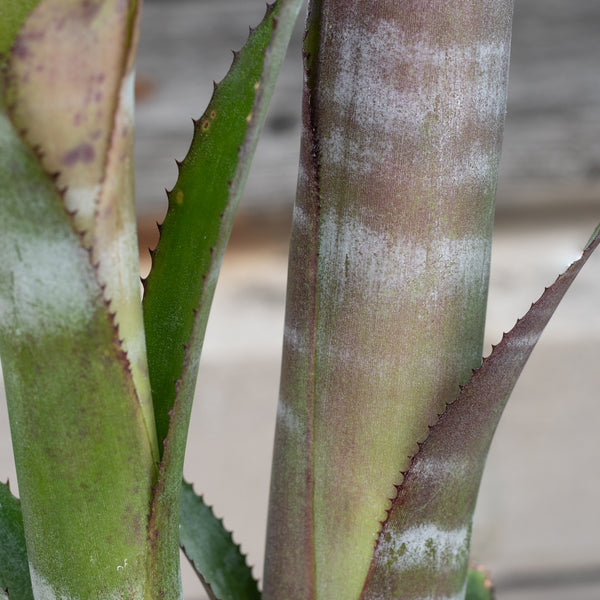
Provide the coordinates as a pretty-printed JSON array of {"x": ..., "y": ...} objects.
[
  {"x": 403, "y": 114},
  {"x": 84, "y": 452},
  {"x": 180, "y": 287},
  {"x": 70, "y": 91},
  {"x": 426, "y": 535},
  {"x": 14, "y": 567}
]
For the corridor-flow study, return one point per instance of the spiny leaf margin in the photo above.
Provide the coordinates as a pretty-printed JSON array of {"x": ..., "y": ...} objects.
[
  {"x": 179, "y": 289},
  {"x": 426, "y": 535},
  {"x": 54, "y": 320},
  {"x": 210, "y": 548}
]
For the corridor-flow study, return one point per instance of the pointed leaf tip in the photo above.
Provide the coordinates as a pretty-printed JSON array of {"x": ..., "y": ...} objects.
[{"x": 436, "y": 500}]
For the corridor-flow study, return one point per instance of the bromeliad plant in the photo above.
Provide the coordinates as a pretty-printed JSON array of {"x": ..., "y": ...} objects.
[{"x": 378, "y": 450}]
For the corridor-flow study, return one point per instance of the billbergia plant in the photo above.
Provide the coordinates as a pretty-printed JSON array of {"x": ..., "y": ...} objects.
[{"x": 386, "y": 410}]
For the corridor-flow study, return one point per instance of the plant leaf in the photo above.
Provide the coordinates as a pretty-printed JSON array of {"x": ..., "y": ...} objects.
[
  {"x": 12, "y": 15},
  {"x": 479, "y": 586},
  {"x": 210, "y": 548},
  {"x": 389, "y": 268},
  {"x": 426, "y": 535},
  {"x": 14, "y": 567},
  {"x": 82, "y": 453},
  {"x": 78, "y": 57},
  {"x": 180, "y": 287}
]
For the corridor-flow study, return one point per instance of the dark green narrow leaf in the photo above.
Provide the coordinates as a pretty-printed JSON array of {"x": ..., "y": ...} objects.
[
  {"x": 426, "y": 535},
  {"x": 185, "y": 264},
  {"x": 479, "y": 586},
  {"x": 14, "y": 567},
  {"x": 180, "y": 287},
  {"x": 210, "y": 548}
]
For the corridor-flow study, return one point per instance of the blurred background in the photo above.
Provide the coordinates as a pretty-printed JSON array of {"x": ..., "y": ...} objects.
[{"x": 537, "y": 527}]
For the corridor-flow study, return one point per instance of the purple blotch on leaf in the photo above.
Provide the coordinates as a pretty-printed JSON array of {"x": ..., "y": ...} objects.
[{"x": 84, "y": 153}]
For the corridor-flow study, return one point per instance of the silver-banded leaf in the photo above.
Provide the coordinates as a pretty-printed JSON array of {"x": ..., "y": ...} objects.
[
  {"x": 403, "y": 115},
  {"x": 69, "y": 90},
  {"x": 210, "y": 548},
  {"x": 423, "y": 546},
  {"x": 181, "y": 283},
  {"x": 82, "y": 453},
  {"x": 14, "y": 567}
]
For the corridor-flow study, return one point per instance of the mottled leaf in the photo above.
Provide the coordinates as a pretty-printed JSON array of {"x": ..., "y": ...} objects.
[
  {"x": 82, "y": 453},
  {"x": 423, "y": 546},
  {"x": 69, "y": 90},
  {"x": 388, "y": 272},
  {"x": 14, "y": 567},
  {"x": 210, "y": 548}
]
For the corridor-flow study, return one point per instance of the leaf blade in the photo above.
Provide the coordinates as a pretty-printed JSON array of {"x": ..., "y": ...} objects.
[
  {"x": 14, "y": 567},
  {"x": 479, "y": 586},
  {"x": 210, "y": 548},
  {"x": 83, "y": 132},
  {"x": 181, "y": 283},
  {"x": 80, "y": 442},
  {"x": 435, "y": 502}
]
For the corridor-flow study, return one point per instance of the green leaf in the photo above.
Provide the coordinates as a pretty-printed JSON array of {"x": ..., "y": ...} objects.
[
  {"x": 180, "y": 287},
  {"x": 479, "y": 586},
  {"x": 14, "y": 567},
  {"x": 12, "y": 15},
  {"x": 185, "y": 265},
  {"x": 82, "y": 453},
  {"x": 426, "y": 535},
  {"x": 210, "y": 548},
  {"x": 71, "y": 96}
]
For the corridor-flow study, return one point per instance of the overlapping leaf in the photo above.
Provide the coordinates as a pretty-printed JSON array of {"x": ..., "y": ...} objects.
[
  {"x": 426, "y": 535},
  {"x": 82, "y": 446},
  {"x": 79, "y": 439},
  {"x": 12, "y": 16},
  {"x": 69, "y": 90}
]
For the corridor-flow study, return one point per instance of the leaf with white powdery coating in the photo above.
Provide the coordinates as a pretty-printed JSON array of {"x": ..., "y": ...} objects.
[
  {"x": 78, "y": 57},
  {"x": 179, "y": 289},
  {"x": 14, "y": 568},
  {"x": 426, "y": 535},
  {"x": 80, "y": 441},
  {"x": 210, "y": 548}
]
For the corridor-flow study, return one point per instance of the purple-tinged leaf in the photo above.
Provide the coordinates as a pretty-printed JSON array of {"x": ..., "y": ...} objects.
[{"x": 423, "y": 546}]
